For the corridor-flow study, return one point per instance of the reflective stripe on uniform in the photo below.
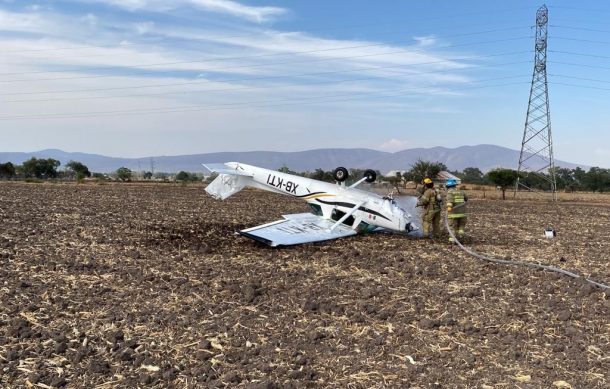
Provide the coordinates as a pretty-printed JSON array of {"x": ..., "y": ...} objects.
[
  {"x": 456, "y": 215},
  {"x": 458, "y": 197}
]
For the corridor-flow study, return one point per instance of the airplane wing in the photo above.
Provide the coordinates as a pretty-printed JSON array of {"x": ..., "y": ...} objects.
[{"x": 296, "y": 229}]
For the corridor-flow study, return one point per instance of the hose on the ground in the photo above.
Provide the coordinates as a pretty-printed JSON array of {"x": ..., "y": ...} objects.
[{"x": 518, "y": 262}]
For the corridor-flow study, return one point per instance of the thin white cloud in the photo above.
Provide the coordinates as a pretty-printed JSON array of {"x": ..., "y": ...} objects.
[
  {"x": 254, "y": 54},
  {"x": 229, "y": 7},
  {"x": 144, "y": 27},
  {"x": 355, "y": 57},
  {"x": 258, "y": 14},
  {"x": 90, "y": 19},
  {"x": 21, "y": 22},
  {"x": 425, "y": 41},
  {"x": 393, "y": 145},
  {"x": 257, "y": 74}
]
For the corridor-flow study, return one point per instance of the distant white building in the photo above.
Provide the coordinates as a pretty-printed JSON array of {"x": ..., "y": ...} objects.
[{"x": 394, "y": 173}]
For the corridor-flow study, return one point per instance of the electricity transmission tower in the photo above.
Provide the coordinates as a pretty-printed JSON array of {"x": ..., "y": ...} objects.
[{"x": 536, "y": 156}]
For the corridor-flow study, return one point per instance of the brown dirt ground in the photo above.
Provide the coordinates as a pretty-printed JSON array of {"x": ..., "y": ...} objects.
[{"x": 146, "y": 285}]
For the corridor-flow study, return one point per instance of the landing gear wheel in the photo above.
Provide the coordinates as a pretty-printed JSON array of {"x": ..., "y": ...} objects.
[
  {"x": 370, "y": 175},
  {"x": 340, "y": 174}
]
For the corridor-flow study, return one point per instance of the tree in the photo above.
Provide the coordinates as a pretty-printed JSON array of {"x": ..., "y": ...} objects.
[
  {"x": 395, "y": 180},
  {"x": 321, "y": 175},
  {"x": 41, "y": 168},
  {"x": 161, "y": 176},
  {"x": 597, "y": 179},
  {"x": 473, "y": 175},
  {"x": 211, "y": 177},
  {"x": 565, "y": 179},
  {"x": 7, "y": 170},
  {"x": 29, "y": 168},
  {"x": 123, "y": 174},
  {"x": 196, "y": 177},
  {"x": 540, "y": 181},
  {"x": 504, "y": 178},
  {"x": 579, "y": 176},
  {"x": 100, "y": 176},
  {"x": 183, "y": 176},
  {"x": 81, "y": 171},
  {"x": 147, "y": 175},
  {"x": 286, "y": 169},
  {"x": 422, "y": 169}
]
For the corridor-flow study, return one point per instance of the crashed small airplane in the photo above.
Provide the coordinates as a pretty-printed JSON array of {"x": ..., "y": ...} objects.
[{"x": 337, "y": 210}]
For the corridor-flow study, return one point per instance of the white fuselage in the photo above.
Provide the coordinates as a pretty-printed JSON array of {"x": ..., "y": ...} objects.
[{"x": 330, "y": 200}]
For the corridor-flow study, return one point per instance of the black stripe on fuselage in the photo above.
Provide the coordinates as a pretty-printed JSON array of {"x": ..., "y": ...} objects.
[
  {"x": 349, "y": 205},
  {"x": 310, "y": 194}
]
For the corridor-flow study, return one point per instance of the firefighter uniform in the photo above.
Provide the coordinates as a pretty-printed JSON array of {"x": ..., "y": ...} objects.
[
  {"x": 456, "y": 209},
  {"x": 431, "y": 201}
]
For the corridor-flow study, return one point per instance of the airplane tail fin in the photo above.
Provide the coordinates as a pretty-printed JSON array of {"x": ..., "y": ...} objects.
[
  {"x": 228, "y": 182},
  {"x": 226, "y": 185}
]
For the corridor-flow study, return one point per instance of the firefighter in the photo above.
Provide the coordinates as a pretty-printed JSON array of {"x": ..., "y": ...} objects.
[
  {"x": 456, "y": 209},
  {"x": 431, "y": 201}
]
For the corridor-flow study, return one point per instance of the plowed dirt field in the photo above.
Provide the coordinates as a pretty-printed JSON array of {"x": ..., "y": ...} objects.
[{"x": 147, "y": 286}]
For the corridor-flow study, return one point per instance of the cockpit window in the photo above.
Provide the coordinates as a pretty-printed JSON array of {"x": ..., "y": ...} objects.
[{"x": 316, "y": 209}]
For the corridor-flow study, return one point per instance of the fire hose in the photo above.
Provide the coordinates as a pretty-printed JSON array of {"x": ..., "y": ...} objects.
[{"x": 518, "y": 262}]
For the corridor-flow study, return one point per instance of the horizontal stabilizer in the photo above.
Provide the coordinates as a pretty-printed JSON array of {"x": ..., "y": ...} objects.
[
  {"x": 222, "y": 168},
  {"x": 296, "y": 229}
]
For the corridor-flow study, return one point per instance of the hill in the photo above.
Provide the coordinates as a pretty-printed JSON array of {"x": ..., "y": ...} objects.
[{"x": 485, "y": 157}]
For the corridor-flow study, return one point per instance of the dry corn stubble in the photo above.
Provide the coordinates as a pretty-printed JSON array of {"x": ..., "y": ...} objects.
[{"x": 146, "y": 285}]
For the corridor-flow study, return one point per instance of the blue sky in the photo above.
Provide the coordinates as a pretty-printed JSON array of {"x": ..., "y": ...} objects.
[{"x": 159, "y": 77}]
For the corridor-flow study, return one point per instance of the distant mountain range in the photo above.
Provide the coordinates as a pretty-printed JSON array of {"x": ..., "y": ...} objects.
[{"x": 485, "y": 157}]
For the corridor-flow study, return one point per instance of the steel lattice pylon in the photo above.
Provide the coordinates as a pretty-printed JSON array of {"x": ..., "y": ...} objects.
[{"x": 537, "y": 146}]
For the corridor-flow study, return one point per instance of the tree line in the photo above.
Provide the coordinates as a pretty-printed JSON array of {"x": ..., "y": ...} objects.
[
  {"x": 595, "y": 179},
  {"x": 43, "y": 169}
]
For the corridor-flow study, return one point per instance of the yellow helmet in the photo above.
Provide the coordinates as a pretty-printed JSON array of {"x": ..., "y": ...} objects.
[{"x": 427, "y": 180}]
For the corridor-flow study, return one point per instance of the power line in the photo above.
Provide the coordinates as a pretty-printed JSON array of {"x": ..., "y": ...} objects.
[
  {"x": 230, "y": 105},
  {"x": 334, "y": 28},
  {"x": 239, "y": 58},
  {"x": 260, "y": 86},
  {"x": 589, "y": 21},
  {"x": 76, "y": 47},
  {"x": 212, "y": 39},
  {"x": 580, "y": 78},
  {"x": 581, "y": 86},
  {"x": 578, "y": 28},
  {"x": 579, "y": 54},
  {"x": 400, "y": 94},
  {"x": 580, "y": 64},
  {"x": 581, "y": 40},
  {"x": 261, "y": 77},
  {"x": 208, "y": 70},
  {"x": 401, "y": 21},
  {"x": 579, "y": 9}
]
